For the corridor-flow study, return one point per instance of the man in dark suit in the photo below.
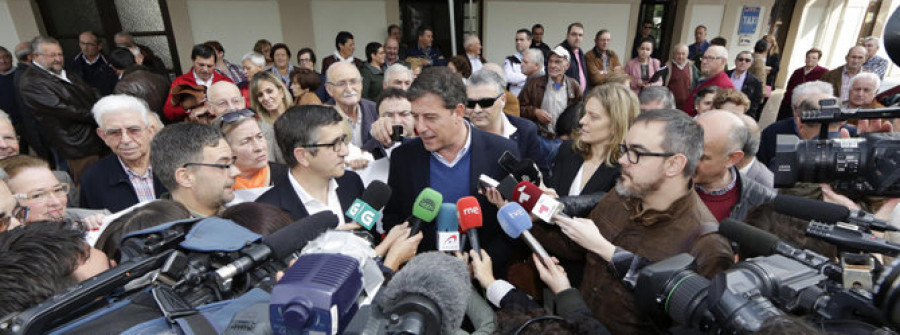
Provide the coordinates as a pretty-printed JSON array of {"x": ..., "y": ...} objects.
[
  {"x": 344, "y": 84},
  {"x": 448, "y": 156},
  {"x": 124, "y": 178},
  {"x": 314, "y": 143},
  {"x": 91, "y": 65},
  {"x": 747, "y": 83},
  {"x": 484, "y": 108},
  {"x": 572, "y": 44}
]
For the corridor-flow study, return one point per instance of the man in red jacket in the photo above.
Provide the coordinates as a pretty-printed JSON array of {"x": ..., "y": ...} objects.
[
  {"x": 712, "y": 66},
  {"x": 203, "y": 72}
]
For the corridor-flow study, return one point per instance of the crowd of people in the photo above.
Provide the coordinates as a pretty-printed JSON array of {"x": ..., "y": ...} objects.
[{"x": 674, "y": 145}]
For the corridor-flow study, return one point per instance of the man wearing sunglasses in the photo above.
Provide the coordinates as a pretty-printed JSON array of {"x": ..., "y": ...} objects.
[
  {"x": 196, "y": 164},
  {"x": 125, "y": 177},
  {"x": 314, "y": 142},
  {"x": 746, "y": 82},
  {"x": 653, "y": 212}
]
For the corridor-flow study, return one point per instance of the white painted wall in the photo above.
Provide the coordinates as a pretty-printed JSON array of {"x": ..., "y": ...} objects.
[
  {"x": 503, "y": 18},
  {"x": 8, "y": 35},
  {"x": 217, "y": 20},
  {"x": 708, "y": 15},
  {"x": 806, "y": 37},
  {"x": 365, "y": 19}
]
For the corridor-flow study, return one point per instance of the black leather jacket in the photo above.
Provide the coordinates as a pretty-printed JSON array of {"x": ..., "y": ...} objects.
[{"x": 63, "y": 111}]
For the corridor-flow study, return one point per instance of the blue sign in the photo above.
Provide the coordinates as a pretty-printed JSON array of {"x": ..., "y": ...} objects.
[{"x": 749, "y": 20}]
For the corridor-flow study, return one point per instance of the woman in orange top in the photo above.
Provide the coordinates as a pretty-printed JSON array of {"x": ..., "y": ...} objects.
[{"x": 250, "y": 148}]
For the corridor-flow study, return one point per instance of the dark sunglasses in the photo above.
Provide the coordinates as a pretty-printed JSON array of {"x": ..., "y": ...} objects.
[
  {"x": 234, "y": 115},
  {"x": 748, "y": 60},
  {"x": 484, "y": 103}
]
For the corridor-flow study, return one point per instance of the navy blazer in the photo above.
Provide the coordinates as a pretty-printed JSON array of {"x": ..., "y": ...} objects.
[
  {"x": 410, "y": 173},
  {"x": 105, "y": 185},
  {"x": 566, "y": 166},
  {"x": 282, "y": 195},
  {"x": 368, "y": 112},
  {"x": 526, "y": 137}
]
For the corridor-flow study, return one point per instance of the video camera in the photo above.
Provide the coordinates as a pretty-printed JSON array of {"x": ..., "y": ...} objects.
[{"x": 869, "y": 165}]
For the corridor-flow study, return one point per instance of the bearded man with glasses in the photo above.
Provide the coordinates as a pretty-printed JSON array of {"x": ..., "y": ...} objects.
[
  {"x": 314, "y": 142},
  {"x": 125, "y": 177}
]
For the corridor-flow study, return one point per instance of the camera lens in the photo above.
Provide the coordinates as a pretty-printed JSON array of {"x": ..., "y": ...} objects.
[{"x": 685, "y": 298}]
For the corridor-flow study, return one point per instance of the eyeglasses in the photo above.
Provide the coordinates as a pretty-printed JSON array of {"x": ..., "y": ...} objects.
[
  {"x": 19, "y": 212},
  {"x": 635, "y": 156},
  {"x": 709, "y": 58},
  {"x": 225, "y": 166},
  {"x": 117, "y": 132},
  {"x": 234, "y": 115},
  {"x": 59, "y": 191},
  {"x": 484, "y": 103},
  {"x": 348, "y": 82},
  {"x": 336, "y": 145},
  {"x": 746, "y": 60},
  {"x": 224, "y": 103}
]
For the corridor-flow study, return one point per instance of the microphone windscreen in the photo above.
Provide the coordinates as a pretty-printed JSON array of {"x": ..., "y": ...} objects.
[
  {"x": 753, "y": 241},
  {"x": 809, "y": 209},
  {"x": 376, "y": 194},
  {"x": 469, "y": 212},
  {"x": 427, "y": 204},
  {"x": 446, "y": 218},
  {"x": 295, "y": 236},
  {"x": 513, "y": 219},
  {"x": 527, "y": 194},
  {"x": 441, "y": 278},
  {"x": 507, "y": 186},
  {"x": 580, "y": 205}
]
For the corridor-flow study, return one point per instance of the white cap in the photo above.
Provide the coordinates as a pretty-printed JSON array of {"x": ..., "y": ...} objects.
[{"x": 562, "y": 52}]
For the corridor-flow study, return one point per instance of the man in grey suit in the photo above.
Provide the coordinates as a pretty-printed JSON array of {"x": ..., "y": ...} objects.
[{"x": 750, "y": 167}]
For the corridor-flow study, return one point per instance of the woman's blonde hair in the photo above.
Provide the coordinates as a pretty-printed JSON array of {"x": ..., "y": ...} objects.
[
  {"x": 264, "y": 115},
  {"x": 622, "y": 105}
]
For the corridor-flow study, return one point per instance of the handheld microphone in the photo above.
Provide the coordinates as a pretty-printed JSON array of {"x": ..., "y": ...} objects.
[
  {"x": 425, "y": 209},
  {"x": 448, "y": 229},
  {"x": 848, "y": 236},
  {"x": 580, "y": 205},
  {"x": 533, "y": 199},
  {"x": 506, "y": 187},
  {"x": 280, "y": 244},
  {"x": 809, "y": 209},
  {"x": 522, "y": 170},
  {"x": 469, "y": 212},
  {"x": 515, "y": 222},
  {"x": 366, "y": 210}
]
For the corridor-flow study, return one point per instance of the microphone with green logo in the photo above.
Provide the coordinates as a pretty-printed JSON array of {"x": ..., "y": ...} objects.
[
  {"x": 425, "y": 209},
  {"x": 365, "y": 210}
]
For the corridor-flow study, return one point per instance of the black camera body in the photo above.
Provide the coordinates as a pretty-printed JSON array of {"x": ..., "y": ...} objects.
[{"x": 869, "y": 165}]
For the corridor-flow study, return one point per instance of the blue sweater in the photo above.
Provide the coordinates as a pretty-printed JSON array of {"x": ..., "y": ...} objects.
[{"x": 452, "y": 183}]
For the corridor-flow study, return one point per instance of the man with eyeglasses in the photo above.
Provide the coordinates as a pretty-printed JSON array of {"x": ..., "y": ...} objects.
[
  {"x": 746, "y": 82},
  {"x": 225, "y": 96},
  {"x": 91, "y": 65},
  {"x": 344, "y": 84},
  {"x": 448, "y": 156},
  {"x": 314, "y": 142},
  {"x": 653, "y": 213},
  {"x": 194, "y": 162},
  {"x": 712, "y": 66},
  {"x": 61, "y": 105},
  {"x": 125, "y": 177},
  {"x": 484, "y": 107}
]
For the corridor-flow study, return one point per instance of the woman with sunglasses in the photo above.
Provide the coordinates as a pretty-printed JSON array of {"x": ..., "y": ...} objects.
[
  {"x": 251, "y": 151},
  {"x": 268, "y": 96}
]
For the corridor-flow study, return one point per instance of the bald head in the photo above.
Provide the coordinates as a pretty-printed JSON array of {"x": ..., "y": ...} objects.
[
  {"x": 724, "y": 135},
  {"x": 714, "y": 60},
  {"x": 224, "y": 96},
  {"x": 718, "y": 126}
]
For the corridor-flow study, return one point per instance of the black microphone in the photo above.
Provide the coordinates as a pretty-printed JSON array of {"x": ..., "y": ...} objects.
[
  {"x": 280, "y": 244},
  {"x": 809, "y": 209},
  {"x": 365, "y": 210},
  {"x": 756, "y": 242},
  {"x": 580, "y": 206},
  {"x": 850, "y": 237}
]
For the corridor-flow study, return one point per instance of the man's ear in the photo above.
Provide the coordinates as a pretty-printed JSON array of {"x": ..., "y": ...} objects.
[
  {"x": 735, "y": 157},
  {"x": 302, "y": 156},
  {"x": 101, "y": 134},
  {"x": 184, "y": 177},
  {"x": 675, "y": 165}
]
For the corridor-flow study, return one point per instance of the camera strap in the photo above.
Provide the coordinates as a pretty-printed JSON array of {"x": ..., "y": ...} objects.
[{"x": 179, "y": 312}]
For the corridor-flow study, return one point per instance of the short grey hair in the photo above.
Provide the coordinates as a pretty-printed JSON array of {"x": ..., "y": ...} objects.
[
  {"x": 747, "y": 52},
  {"x": 254, "y": 57},
  {"x": 5, "y": 116},
  {"x": 871, "y": 38},
  {"x": 680, "y": 45},
  {"x": 37, "y": 41},
  {"x": 658, "y": 93},
  {"x": 394, "y": 68},
  {"x": 866, "y": 75},
  {"x": 682, "y": 135},
  {"x": 23, "y": 53},
  {"x": 118, "y": 103},
  {"x": 177, "y": 145},
  {"x": 809, "y": 88},
  {"x": 487, "y": 77},
  {"x": 751, "y": 145},
  {"x": 535, "y": 55},
  {"x": 469, "y": 40}
]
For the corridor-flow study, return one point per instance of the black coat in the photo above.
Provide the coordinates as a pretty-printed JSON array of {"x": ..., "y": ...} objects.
[
  {"x": 99, "y": 75},
  {"x": 105, "y": 185},
  {"x": 63, "y": 111},
  {"x": 282, "y": 195},
  {"x": 566, "y": 166},
  {"x": 753, "y": 88},
  {"x": 576, "y": 70}
]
